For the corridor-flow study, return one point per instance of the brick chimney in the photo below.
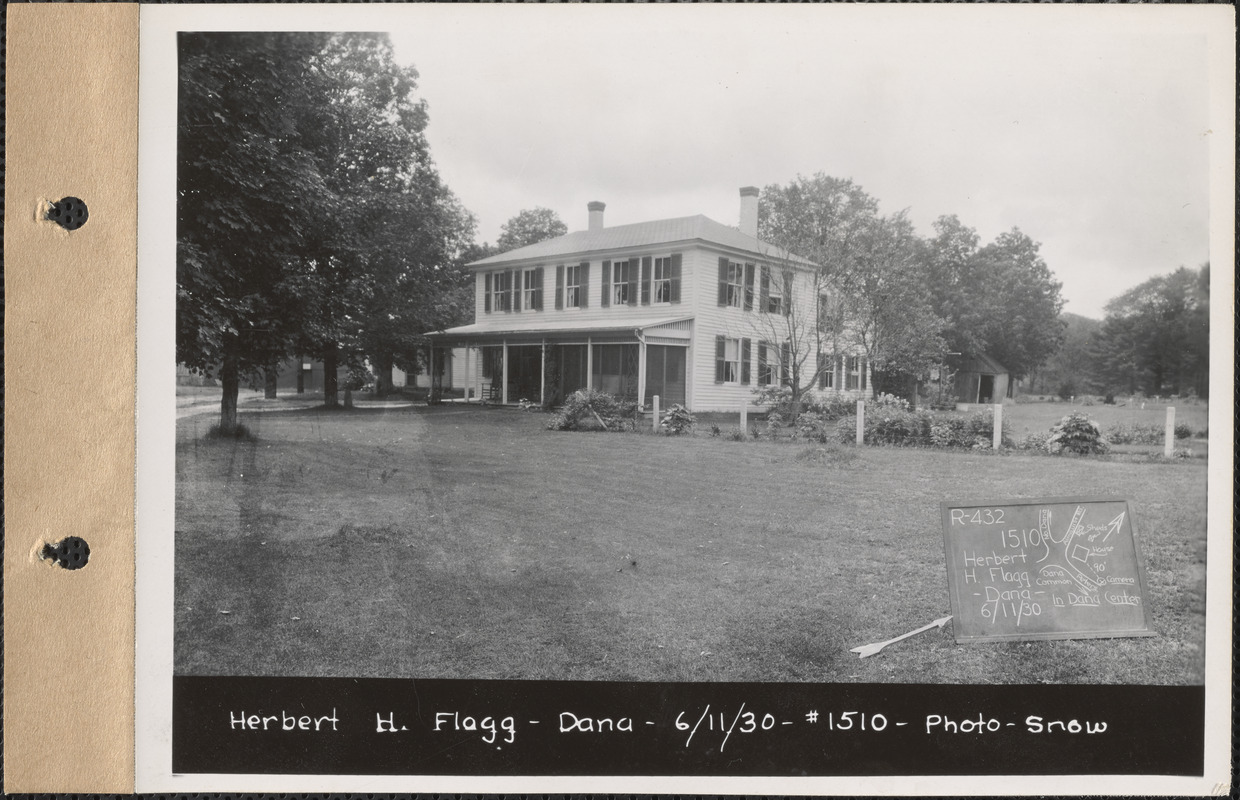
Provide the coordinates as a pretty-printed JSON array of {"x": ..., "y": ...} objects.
[
  {"x": 749, "y": 211},
  {"x": 596, "y": 214}
]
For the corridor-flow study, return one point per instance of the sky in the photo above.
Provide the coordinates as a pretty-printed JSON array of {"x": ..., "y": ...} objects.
[{"x": 1088, "y": 132}]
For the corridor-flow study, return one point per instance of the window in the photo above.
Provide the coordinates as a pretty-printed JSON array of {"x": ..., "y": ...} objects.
[
  {"x": 572, "y": 287},
  {"x": 855, "y": 372},
  {"x": 826, "y": 374},
  {"x": 775, "y": 292},
  {"x": 501, "y": 291},
  {"x": 731, "y": 360},
  {"x": 768, "y": 364},
  {"x": 736, "y": 285},
  {"x": 661, "y": 286},
  {"x": 620, "y": 282},
  {"x": 531, "y": 289}
]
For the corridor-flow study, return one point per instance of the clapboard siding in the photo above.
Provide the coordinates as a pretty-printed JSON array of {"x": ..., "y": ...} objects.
[{"x": 594, "y": 313}]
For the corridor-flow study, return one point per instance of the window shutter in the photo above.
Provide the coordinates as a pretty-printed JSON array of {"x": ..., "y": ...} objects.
[
  {"x": 517, "y": 288},
  {"x": 538, "y": 289},
  {"x": 634, "y": 267},
  {"x": 785, "y": 363},
  {"x": 787, "y": 302},
  {"x": 723, "y": 281},
  {"x": 646, "y": 267},
  {"x": 749, "y": 287},
  {"x": 606, "y": 294},
  {"x": 674, "y": 287},
  {"x": 822, "y": 372},
  {"x": 861, "y": 368},
  {"x": 583, "y": 285},
  {"x": 486, "y": 293},
  {"x": 745, "y": 361},
  {"x": 559, "y": 287},
  {"x": 721, "y": 366},
  {"x": 764, "y": 290},
  {"x": 762, "y": 381}
]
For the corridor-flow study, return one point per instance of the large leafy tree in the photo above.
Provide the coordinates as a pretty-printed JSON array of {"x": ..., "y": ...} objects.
[
  {"x": 1001, "y": 299},
  {"x": 311, "y": 217},
  {"x": 888, "y": 314},
  {"x": 249, "y": 201},
  {"x": 528, "y": 227},
  {"x": 1155, "y": 337}
]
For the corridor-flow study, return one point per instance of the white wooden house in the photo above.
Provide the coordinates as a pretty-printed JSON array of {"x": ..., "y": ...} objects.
[{"x": 688, "y": 309}]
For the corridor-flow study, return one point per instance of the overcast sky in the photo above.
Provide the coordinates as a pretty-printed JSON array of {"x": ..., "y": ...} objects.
[{"x": 1091, "y": 137}]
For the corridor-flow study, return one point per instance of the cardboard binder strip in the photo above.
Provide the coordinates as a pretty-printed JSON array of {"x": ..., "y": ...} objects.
[{"x": 70, "y": 296}]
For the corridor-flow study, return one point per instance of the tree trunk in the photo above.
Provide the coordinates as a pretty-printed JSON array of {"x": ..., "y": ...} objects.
[
  {"x": 269, "y": 381},
  {"x": 331, "y": 397},
  {"x": 301, "y": 376},
  {"x": 383, "y": 377},
  {"x": 230, "y": 380}
]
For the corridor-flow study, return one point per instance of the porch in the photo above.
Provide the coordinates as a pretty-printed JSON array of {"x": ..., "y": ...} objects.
[{"x": 635, "y": 361}]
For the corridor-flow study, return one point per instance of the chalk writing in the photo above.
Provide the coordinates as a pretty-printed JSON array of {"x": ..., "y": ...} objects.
[{"x": 1055, "y": 568}]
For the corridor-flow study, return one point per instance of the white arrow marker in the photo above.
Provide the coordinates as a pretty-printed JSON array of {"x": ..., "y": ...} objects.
[
  {"x": 867, "y": 650},
  {"x": 1114, "y": 525}
]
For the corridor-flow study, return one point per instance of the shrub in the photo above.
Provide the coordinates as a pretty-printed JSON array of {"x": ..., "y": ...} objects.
[
  {"x": 948, "y": 432},
  {"x": 1134, "y": 433},
  {"x": 1076, "y": 433},
  {"x": 1109, "y": 399},
  {"x": 1066, "y": 390},
  {"x": 735, "y": 434},
  {"x": 715, "y": 431},
  {"x": 676, "y": 420},
  {"x": 832, "y": 408},
  {"x": 812, "y": 427},
  {"x": 891, "y": 425},
  {"x": 885, "y": 400},
  {"x": 1183, "y": 431},
  {"x": 585, "y": 409},
  {"x": 1034, "y": 442},
  {"x": 1087, "y": 400}
]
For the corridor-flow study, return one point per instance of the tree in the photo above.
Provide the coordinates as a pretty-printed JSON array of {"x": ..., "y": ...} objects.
[
  {"x": 1020, "y": 325},
  {"x": 819, "y": 218},
  {"x": 888, "y": 315},
  {"x": 1001, "y": 299},
  {"x": 1155, "y": 337},
  {"x": 529, "y": 226},
  {"x": 1074, "y": 363},
  {"x": 249, "y": 199}
]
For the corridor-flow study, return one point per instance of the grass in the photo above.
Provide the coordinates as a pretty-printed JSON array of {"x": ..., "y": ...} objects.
[{"x": 463, "y": 542}]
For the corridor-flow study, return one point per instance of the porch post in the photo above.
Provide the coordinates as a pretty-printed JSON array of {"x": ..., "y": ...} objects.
[
  {"x": 469, "y": 376},
  {"x": 589, "y": 364},
  {"x": 503, "y": 398},
  {"x": 542, "y": 374},
  {"x": 641, "y": 373}
]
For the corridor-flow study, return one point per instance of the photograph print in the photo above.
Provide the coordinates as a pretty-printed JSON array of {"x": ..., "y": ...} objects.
[{"x": 813, "y": 351}]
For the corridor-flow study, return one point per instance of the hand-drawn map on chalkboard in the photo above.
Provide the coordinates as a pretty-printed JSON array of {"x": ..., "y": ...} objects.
[{"x": 1052, "y": 568}]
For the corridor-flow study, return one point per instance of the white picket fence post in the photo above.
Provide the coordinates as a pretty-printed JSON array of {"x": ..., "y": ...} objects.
[
  {"x": 1169, "y": 433},
  {"x": 744, "y": 417},
  {"x": 998, "y": 431},
  {"x": 655, "y": 405},
  {"x": 860, "y": 422}
]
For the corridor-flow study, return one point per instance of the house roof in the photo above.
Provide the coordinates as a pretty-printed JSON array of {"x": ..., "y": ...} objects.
[
  {"x": 556, "y": 326},
  {"x": 663, "y": 231},
  {"x": 980, "y": 363}
]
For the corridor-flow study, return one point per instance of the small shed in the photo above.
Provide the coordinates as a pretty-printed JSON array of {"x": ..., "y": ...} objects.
[{"x": 981, "y": 379}]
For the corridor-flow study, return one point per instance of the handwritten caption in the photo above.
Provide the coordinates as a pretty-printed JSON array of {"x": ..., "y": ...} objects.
[{"x": 700, "y": 725}]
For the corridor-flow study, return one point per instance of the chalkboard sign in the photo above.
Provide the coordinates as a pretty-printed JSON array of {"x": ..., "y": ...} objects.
[{"x": 1053, "y": 568}]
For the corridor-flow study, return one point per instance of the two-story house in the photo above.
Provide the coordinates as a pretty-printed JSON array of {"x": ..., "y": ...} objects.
[{"x": 688, "y": 309}]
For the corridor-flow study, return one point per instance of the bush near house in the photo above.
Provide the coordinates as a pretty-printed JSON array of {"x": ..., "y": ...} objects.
[
  {"x": 1077, "y": 433},
  {"x": 676, "y": 420},
  {"x": 893, "y": 426},
  {"x": 588, "y": 409}
]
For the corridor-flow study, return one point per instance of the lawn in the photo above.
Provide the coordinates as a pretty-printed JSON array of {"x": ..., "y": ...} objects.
[{"x": 467, "y": 542}]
